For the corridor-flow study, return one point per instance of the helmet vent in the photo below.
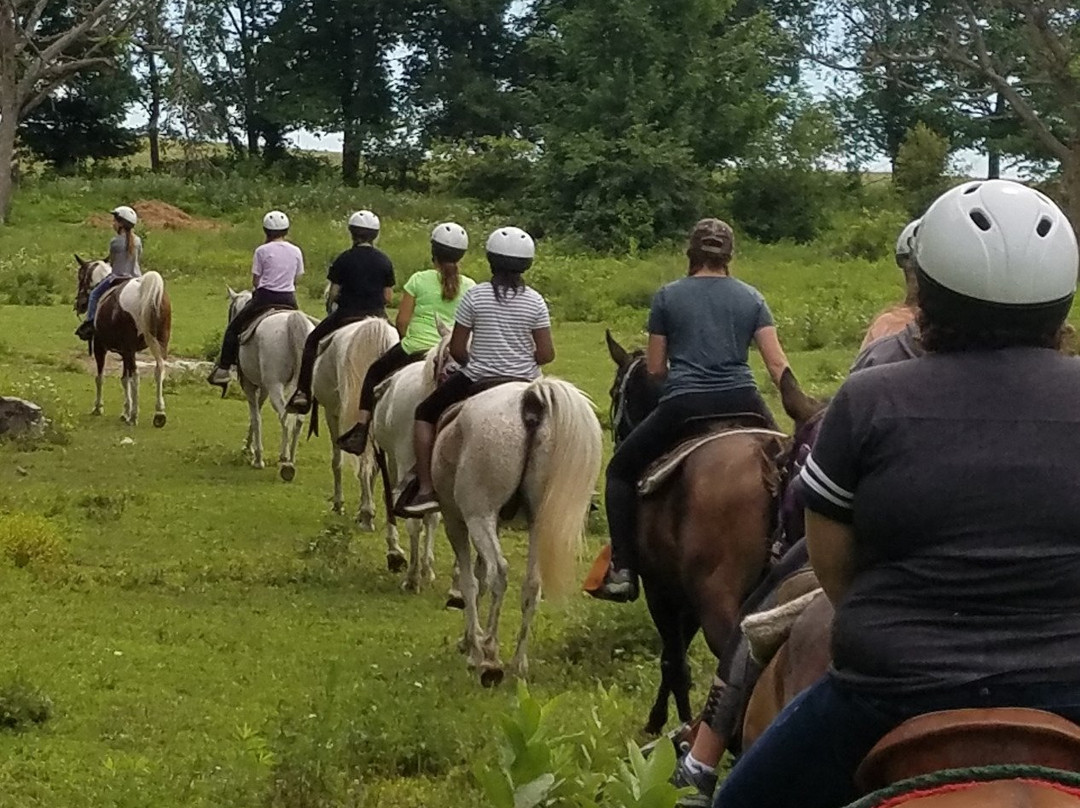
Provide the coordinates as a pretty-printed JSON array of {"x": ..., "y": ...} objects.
[
  {"x": 980, "y": 219},
  {"x": 972, "y": 188},
  {"x": 1044, "y": 226}
]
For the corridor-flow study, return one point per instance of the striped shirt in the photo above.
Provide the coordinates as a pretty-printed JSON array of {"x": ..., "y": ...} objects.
[{"x": 502, "y": 341}]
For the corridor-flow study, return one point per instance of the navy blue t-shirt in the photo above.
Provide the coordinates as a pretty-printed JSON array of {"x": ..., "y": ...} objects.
[{"x": 709, "y": 323}]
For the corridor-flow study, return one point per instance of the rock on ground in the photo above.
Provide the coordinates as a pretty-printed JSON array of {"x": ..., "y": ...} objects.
[{"x": 18, "y": 415}]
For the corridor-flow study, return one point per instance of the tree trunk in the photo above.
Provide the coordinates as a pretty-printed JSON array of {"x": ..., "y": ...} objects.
[
  {"x": 993, "y": 170},
  {"x": 350, "y": 157},
  {"x": 153, "y": 128},
  {"x": 9, "y": 122},
  {"x": 1070, "y": 179}
]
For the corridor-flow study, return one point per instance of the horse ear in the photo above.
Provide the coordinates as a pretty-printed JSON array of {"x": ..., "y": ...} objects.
[
  {"x": 79, "y": 261},
  {"x": 618, "y": 353},
  {"x": 441, "y": 327},
  {"x": 232, "y": 294},
  {"x": 798, "y": 405}
]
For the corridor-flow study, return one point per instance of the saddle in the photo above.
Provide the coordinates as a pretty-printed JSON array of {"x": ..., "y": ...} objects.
[
  {"x": 964, "y": 739},
  {"x": 115, "y": 285},
  {"x": 324, "y": 343},
  {"x": 249, "y": 332},
  {"x": 454, "y": 410}
]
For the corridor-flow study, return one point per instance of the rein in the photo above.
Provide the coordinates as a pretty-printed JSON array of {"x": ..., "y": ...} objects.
[{"x": 618, "y": 406}]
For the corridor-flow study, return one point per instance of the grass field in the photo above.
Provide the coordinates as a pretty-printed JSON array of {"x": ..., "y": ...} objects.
[{"x": 210, "y": 636}]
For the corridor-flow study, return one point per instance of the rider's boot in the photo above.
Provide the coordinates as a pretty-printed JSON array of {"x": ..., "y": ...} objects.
[
  {"x": 355, "y": 440},
  {"x": 299, "y": 404}
]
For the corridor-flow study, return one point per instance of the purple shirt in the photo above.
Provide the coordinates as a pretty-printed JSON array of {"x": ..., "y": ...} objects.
[{"x": 277, "y": 265}]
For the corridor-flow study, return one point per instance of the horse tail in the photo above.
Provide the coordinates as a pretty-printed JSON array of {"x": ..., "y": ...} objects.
[
  {"x": 154, "y": 316},
  {"x": 374, "y": 337},
  {"x": 313, "y": 425},
  {"x": 570, "y": 467},
  {"x": 297, "y": 329}
]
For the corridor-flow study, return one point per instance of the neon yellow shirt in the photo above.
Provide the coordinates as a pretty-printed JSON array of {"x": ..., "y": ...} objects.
[{"x": 426, "y": 287}]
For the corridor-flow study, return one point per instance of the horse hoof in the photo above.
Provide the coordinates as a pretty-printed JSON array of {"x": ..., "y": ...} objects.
[
  {"x": 159, "y": 419},
  {"x": 491, "y": 675},
  {"x": 287, "y": 473},
  {"x": 412, "y": 587},
  {"x": 97, "y": 411},
  {"x": 338, "y": 508},
  {"x": 396, "y": 562},
  {"x": 455, "y": 602},
  {"x": 366, "y": 524}
]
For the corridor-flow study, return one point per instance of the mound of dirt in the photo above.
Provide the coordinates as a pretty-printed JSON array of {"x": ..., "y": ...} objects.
[{"x": 154, "y": 213}]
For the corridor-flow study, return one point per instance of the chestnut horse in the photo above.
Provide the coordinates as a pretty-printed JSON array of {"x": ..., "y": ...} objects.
[
  {"x": 703, "y": 539},
  {"x": 133, "y": 316}
]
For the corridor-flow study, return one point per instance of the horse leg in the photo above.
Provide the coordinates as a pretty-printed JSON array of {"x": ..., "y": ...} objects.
[
  {"x": 484, "y": 533},
  {"x": 395, "y": 556},
  {"x": 682, "y": 678},
  {"x": 412, "y": 576},
  {"x": 673, "y": 669},
  {"x": 335, "y": 462},
  {"x": 458, "y": 534},
  {"x": 427, "y": 561},
  {"x": 530, "y": 596},
  {"x": 159, "y": 391},
  {"x": 295, "y": 425},
  {"x": 129, "y": 381},
  {"x": 255, "y": 398},
  {"x": 99, "y": 380},
  {"x": 286, "y": 466},
  {"x": 365, "y": 515}
]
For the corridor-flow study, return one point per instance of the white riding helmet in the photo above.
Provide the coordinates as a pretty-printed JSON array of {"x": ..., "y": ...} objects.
[
  {"x": 275, "y": 220},
  {"x": 906, "y": 243},
  {"x": 365, "y": 219},
  {"x": 512, "y": 242},
  {"x": 452, "y": 235},
  {"x": 999, "y": 242},
  {"x": 126, "y": 214}
]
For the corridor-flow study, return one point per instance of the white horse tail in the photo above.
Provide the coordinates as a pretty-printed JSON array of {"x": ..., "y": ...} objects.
[
  {"x": 153, "y": 319},
  {"x": 374, "y": 337},
  {"x": 567, "y": 480},
  {"x": 297, "y": 328}
]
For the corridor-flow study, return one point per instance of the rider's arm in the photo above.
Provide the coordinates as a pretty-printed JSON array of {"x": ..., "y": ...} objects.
[
  {"x": 831, "y": 545},
  {"x": 768, "y": 344},
  {"x": 459, "y": 344},
  {"x": 388, "y": 295},
  {"x": 656, "y": 356},
  {"x": 405, "y": 313},
  {"x": 545, "y": 348}
]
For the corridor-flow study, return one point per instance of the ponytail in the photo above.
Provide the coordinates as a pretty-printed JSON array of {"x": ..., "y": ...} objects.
[
  {"x": 129, "y": 235},
  {"x": 446, "y": 258}
]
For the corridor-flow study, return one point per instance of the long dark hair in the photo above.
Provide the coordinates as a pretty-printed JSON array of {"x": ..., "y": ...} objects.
[
  {"x": 129, "y": 235},
  {"x": 446, "y": 258},
  {"x": 506, "y": 274}
]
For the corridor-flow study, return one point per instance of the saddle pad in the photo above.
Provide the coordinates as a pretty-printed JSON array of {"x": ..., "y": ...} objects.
[
  {"x": 657, "y": 473},
  {"x": 249, "y": 332},
  {"x": 112, "y": 291},
  {"x": 766, "y": 631}
]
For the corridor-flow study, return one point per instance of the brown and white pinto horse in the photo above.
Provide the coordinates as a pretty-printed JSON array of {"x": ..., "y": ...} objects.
[{"x": 135, "y": 316}]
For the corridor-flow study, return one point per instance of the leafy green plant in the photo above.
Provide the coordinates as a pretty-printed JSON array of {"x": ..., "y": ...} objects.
[
  {"x": 22, "y": 703},
  {"x": 27, "y": 538},
  {"x": 542, "y": 765}
]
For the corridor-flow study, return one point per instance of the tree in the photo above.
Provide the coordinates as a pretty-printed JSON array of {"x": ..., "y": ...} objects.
[
  {"x": 332, "y": 60},
  {"x": 33, "y": 63},
  {"x": 921, "y": 165},
  {"x": 1015, "y": 59}
]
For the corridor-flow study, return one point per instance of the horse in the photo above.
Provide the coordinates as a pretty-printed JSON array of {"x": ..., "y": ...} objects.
[
  {"x": 533, "y": 447},
  {"x": 133, "y": 317},
  {"x": 339, "y": 373},
  {"x": 268, "y": 368},
  {"x": 392, "y": 432},
  {"x": 704, "y": 535}
]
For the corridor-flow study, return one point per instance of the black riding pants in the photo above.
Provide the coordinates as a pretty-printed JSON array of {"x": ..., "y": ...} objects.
[
  {"x": 261, "y": 300},
  {"x": 457, "y": 387},
  {"x": 736, "y": 671},
  {"x": 327, "y": 326},
  {"x": 381, "y": 369},
  {"x": 648, "y": 441}
]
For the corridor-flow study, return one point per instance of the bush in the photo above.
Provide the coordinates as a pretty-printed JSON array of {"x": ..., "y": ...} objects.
[
  {"x": 921, "y": 166},
  {"x": 773, "y": 203},
  {"x": 29, "y": 288},
  {"x": 498, "y": 168},
  {"x": 27, "y": 539},
  {"x": 22, "y": 704},
  {"x": 870, "y": 235}
]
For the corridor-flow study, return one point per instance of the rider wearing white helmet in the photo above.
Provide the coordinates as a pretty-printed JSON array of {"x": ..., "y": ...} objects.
[
  {"x": 511, "y": 338},
  {"x": 943, "y": 517},
  {"x": 895, "y": 318},
  {"x": 430, "y": 296},
  {"x": 275, "y": 268},
  {"x": 361, "y": 285},
  {"x": 125, "y": 249}
]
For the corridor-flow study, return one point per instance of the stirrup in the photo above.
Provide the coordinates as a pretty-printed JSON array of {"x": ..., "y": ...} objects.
[{"x": 299, "y": 404}]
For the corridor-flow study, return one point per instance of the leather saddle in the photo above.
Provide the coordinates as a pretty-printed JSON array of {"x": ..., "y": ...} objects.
[
  {"x": 961, "y": 739},
  {"x": 249, "y": 332}
]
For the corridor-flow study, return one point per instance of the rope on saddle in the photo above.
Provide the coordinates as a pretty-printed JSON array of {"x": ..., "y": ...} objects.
[{"x": 952, "y": 780}]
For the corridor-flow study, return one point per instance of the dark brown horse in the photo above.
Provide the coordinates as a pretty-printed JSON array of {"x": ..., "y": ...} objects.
[
  {"x": 704, "y": 537},
  {"x": 133, "y": 316}
]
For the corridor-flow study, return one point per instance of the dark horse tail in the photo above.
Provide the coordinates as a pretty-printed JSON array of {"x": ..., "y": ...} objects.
[{"x": 313, "y": 427}]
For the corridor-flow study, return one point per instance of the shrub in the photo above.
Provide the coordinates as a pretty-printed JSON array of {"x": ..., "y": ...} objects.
[
  {"x": 22, "y": 704},
  {"x": 870, "y": 235},
  {"x": 921, "y": 166},
  {"x": 773, "y": 203},
  {"x": 27, "y": 539},
  {"x": 211, "y": 346},
  {"x": 29, "y": 288},
  {"x": 497, "y": 168}
]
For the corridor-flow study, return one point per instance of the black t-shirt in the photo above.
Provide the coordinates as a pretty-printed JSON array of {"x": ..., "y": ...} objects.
[
  {"x": 362, "y": 273},
  {"x": 960, "y": 475}
]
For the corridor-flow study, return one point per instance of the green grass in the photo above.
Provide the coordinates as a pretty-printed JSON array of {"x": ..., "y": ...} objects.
[{"x": 205, "y": 635}]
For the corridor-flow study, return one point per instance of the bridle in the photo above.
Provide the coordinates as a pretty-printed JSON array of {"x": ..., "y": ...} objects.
[{"x": 617, "y": 414}]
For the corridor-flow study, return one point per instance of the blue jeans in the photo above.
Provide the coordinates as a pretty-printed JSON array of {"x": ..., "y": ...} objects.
[
  {"x": 808, "y": 756},
  {"x": 95, "y": 296}
]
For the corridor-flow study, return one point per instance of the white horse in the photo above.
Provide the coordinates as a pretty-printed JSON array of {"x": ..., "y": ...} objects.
[
  {"x": 339, "y": 374},
  {"x": 137, "y": 316},
  {"x": 535, "y": 446},
  {"x": 269, "y": 367},
  {"x": 392, "y": 432}
]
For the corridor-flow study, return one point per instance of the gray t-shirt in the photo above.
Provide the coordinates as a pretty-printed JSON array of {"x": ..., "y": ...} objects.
[
  {"x": 709, "y": 323},
  {"x": 123, "y": 264},
  {"x": 896, "y": 347},
  {"x": 502, "y": 331},
  {"x": 958, "y": 474}
]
